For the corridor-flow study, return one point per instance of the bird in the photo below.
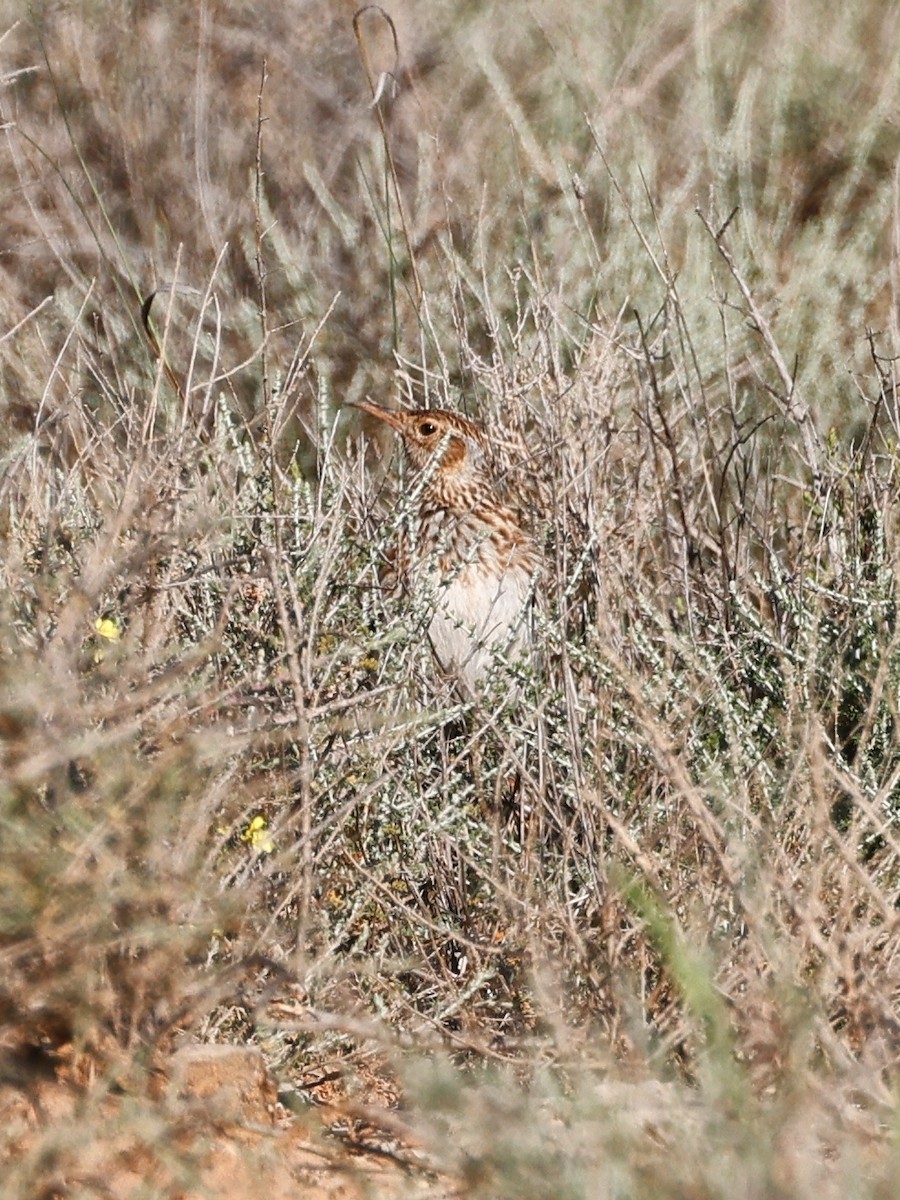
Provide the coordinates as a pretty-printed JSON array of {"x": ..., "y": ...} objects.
[{"x": 468, "y": 556}]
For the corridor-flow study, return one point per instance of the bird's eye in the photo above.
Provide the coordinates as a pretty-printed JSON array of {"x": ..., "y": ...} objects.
[{"x": 427, "y": 428}]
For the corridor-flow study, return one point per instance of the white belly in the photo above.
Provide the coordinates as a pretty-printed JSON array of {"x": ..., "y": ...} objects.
[{"x": 478, "y": 616}]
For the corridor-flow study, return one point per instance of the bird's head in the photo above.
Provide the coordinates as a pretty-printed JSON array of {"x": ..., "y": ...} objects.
[{"x": 447, "y": 445}]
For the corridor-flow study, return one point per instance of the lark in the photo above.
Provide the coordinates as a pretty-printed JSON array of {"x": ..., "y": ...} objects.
[{"x": 469, "y": 556}]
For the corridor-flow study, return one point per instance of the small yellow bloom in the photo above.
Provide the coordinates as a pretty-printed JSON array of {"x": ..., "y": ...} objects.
[
  {"x": 109, "y": 630},
  {"x": 256, "y": 835}
]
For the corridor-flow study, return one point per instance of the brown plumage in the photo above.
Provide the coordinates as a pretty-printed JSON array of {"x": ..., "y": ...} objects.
[{"x": 469, "y": 555}]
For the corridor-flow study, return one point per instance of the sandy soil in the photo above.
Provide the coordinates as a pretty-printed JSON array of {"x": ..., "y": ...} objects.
[{"x": 217, "y": 1110}]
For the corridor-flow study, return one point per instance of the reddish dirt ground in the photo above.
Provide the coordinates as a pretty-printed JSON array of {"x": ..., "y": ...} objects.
[{"x": 218, "y": 1111}]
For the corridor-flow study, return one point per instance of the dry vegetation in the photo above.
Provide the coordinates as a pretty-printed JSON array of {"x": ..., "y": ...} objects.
[{"x": 654, "y": 246}]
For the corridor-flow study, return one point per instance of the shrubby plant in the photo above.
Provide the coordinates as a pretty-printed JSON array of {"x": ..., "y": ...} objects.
[{"x": 628, "y": 927}]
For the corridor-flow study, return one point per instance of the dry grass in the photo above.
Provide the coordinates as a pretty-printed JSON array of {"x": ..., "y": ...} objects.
[{"x": 656, "y": 250}]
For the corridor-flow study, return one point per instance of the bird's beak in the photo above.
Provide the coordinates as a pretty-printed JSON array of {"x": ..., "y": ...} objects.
[{"x": 388, "y": 415}]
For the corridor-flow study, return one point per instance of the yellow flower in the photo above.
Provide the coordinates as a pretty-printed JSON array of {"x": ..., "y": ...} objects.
[
  {"x": 109, "y": 630},
  {"x": 256, "y": 835}
]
